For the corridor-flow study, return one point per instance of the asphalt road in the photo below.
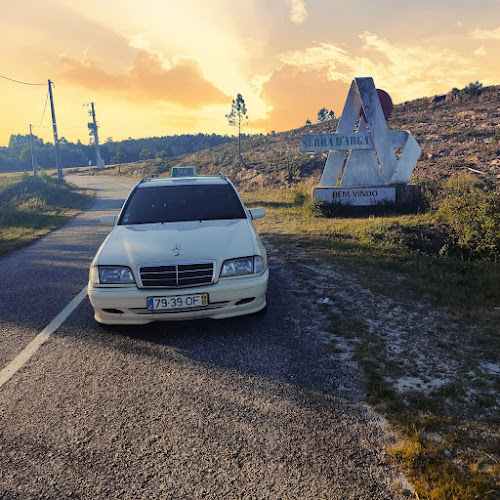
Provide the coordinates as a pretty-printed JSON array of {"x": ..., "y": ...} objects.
[{"x": 244, "y": 408}]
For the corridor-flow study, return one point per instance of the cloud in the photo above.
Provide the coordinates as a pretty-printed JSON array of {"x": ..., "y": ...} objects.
[
  {"x": 319, "y": 76},
  {"x": 298, "y": 11},
  {"x": 57, "y": 29},
  {"x": 480, "y": 34},
  {"x": 405, "y": 71},
  {"x": 150, "y": 78},
  {"x": 481, "y": 51}
]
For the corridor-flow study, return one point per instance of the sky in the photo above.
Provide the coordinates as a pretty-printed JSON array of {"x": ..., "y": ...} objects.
[{"x": 166, "y": 67}]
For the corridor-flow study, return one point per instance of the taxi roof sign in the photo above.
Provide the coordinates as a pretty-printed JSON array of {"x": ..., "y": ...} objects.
[{"x": 183, "y": 171}]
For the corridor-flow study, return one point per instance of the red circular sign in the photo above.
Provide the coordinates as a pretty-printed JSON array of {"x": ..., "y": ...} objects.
[{"x": 386, "y": 102}]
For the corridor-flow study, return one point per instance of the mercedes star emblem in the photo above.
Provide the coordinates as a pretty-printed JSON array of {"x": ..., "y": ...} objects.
[{"x": 176, "y": 249}]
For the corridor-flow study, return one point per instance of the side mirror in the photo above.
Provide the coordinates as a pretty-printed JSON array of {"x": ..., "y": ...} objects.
[
  {"x": 108, "y": 220},
  {"x": 257, "y": 213}
]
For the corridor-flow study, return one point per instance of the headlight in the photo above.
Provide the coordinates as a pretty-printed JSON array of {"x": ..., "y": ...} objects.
[
  {"x": 112, "y": 275},
  {"x": 238, "y": 267}
]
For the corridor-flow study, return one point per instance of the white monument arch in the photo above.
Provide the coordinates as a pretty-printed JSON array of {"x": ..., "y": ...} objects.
[{"x": 362, "y": 167}]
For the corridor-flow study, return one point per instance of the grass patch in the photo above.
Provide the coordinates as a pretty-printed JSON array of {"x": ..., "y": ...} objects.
[
  {"x": 436, "y": 477},
  {"x": 444, "y": 256},
  {"x": 31, "y": 207},
  {"x": 422, "y": 247}
]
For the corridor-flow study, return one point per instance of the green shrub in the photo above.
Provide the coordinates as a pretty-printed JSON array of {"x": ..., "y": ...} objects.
[
  {"x": 38, "y": 191},
  {"x": 473, "y": 88},
  {"x": 44, "y": 176},
  {"x": 300, "y": 196},
  {"x": 471, "y": 216}
]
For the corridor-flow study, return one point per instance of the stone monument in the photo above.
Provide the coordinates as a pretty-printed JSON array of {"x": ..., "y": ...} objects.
[{"x": 363, "y": 167}]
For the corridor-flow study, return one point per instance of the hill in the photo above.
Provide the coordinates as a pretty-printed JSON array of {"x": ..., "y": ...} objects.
[
  {"x": 462, "y": 134},
  {"x": 457, "y": 135}
]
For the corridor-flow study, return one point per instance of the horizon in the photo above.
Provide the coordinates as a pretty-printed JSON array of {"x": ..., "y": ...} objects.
[{"x": 159, "y": 68}]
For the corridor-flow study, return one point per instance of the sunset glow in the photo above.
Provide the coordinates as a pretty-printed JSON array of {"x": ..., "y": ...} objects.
[{"x": 164, "y": 67}]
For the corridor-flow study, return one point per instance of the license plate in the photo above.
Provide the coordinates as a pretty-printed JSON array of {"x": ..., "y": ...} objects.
[{"x": 177, "y": 302}]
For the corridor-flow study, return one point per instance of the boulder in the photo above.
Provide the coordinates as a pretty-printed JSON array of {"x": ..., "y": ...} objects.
[{"x": 450, "y": 96}]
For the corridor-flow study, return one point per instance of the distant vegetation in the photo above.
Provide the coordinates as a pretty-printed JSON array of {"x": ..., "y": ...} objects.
[
  {"x": 17, "y": 155},
  {"x": 325, "y": 115}
]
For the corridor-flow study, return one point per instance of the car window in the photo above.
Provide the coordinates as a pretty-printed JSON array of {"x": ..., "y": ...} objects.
[{"x": 176, "y": 203}]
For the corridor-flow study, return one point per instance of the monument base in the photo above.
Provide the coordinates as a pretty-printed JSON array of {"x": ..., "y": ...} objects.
[{"x": 358, "y": 196}]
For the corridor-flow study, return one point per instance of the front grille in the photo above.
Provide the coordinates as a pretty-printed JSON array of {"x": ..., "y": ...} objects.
[{"x": 177, "y": 275}]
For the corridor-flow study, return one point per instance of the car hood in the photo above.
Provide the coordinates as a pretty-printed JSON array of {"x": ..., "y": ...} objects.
[{"x": 219, "y": 240}]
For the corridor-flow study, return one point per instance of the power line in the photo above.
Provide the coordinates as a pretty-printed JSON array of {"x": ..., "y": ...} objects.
[
  {"x": 17, "y": 81},
  {"x": 33, "y": 84},
  {"x": 43, "y": 116},
  {"x": 44, "y": 108}
]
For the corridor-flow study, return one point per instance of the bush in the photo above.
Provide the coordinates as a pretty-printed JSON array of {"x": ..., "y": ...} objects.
[
  {"x": 38, "y": 191},
  {"x": 471, "y": 216},
  {"x": 301, "y": 196},
  {"x": 473, "y": 88}
]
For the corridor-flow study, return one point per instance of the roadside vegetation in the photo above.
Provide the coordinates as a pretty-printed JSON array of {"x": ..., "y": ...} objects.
[
  {"x": 420, "y": 319},
  {"x": 31, "y": 207}
]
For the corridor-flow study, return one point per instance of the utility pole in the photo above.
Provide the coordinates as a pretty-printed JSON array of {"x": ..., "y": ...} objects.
[
  {"x": 93, "y": 130},
  {"x": 56, "y": 140},
  {"x": 33, "y": 162}
]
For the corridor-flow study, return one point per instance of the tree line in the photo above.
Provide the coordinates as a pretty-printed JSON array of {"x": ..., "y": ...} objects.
[{"x": 17, "y": 155}]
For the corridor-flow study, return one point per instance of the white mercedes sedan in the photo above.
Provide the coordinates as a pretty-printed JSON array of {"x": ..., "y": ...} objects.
[{"x": 181, "y": 248}]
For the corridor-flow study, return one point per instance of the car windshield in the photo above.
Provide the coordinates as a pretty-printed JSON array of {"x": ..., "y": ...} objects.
[{"x": 179, "y": 203}]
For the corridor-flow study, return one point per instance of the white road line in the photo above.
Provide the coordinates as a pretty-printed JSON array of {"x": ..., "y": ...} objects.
[{"x": 25, "y": 355}]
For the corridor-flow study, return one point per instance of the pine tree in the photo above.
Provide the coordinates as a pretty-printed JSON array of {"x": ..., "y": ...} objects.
[
  {"x": 237, "y": 118},
  {"x": 325, "y": 115}
]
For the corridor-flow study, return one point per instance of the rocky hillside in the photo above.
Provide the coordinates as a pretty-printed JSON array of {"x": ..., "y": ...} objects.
[{"x": 457, "y": 135}]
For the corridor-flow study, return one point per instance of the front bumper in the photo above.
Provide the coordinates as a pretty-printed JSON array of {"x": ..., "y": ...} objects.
[{"x": 227, "y": 298}]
